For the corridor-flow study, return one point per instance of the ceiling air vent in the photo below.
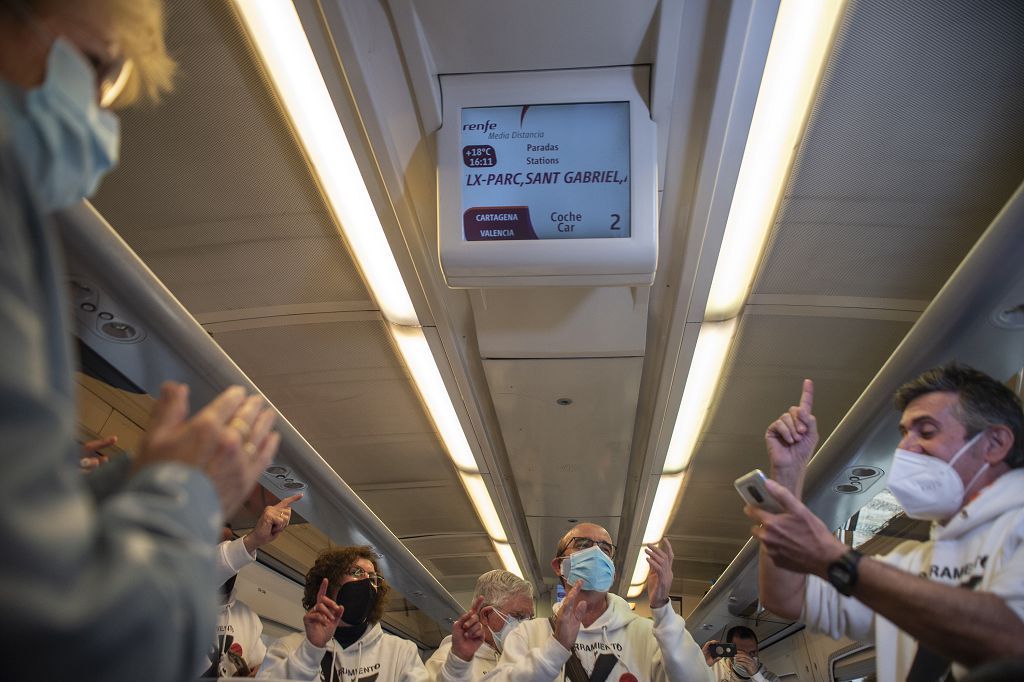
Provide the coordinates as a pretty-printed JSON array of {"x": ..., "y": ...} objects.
[
  {"x": 281, "y": 478},
  {"x": 857, "y": 479},
  {"x": 1011, "y": 317}
]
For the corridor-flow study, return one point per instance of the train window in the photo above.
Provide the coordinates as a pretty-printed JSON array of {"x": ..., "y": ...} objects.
[
  {"x": 856, "y": 665},
  {"x": 874, "y": 517}
]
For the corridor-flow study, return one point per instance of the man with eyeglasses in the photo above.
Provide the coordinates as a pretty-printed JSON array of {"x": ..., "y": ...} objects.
[
  {"x": 594, "y": 636},
  {"x": 345, "y": 597},
  {"x": 501, "y": 601},
  {"x": 96, "y": 567}
]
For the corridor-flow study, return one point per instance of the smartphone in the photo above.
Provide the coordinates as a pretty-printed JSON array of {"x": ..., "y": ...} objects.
[
  {"x": 722, "y": 650},
  {"x": 753, "y": 489}
]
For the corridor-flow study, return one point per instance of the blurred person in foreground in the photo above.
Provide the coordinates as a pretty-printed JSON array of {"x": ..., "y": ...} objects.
[{"x": 106, "y": 576}]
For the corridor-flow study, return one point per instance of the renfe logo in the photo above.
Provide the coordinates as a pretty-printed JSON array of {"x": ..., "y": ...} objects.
[{"x": 485, "y": 126}]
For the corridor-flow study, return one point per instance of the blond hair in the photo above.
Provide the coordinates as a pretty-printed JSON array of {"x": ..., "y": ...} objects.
[
  {"x": 139, "y": 28},
  {"x": 136, "y": 25}
]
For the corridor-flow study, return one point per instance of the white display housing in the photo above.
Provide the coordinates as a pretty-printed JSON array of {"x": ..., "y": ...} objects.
[{"x": 583, "y": 158}]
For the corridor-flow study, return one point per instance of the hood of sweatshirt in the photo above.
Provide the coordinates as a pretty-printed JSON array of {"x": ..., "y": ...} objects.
[
  {"x": 617, "y": 615},
  {"x": 999, "y": 497}
]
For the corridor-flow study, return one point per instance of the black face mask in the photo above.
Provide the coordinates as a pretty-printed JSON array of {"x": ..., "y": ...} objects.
[
  {"x": 227, "y": 586},
  {"x": 358, "y": 598}
]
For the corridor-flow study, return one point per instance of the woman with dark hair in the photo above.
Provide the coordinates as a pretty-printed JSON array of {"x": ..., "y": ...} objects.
[{"x": 344, "y": 601}]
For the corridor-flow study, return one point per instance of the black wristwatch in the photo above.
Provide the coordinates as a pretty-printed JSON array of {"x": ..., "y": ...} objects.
[{"x": 842, "y": 573}]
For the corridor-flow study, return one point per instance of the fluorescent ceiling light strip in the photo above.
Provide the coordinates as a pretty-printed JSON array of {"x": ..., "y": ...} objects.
[
  {"x": 664, "y": 501},
  {"x": 657, "y": 522},
  {"x": 640, "y": 571},
  {"x": 415, "y": 351},
  {"x": 800, "y": 43},
  {"x": 705, "y": 369},
  {"x": 481, "y": 499},
  {"x": 508, "y": 558},
  {"x": 277, "y": 33}
]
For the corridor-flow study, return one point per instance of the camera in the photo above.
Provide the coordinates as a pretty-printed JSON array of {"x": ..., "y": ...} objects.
[{"x": 722, "y": 650}]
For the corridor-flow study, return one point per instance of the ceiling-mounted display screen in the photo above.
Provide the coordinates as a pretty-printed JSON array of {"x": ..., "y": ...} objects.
[
  {"x": 551, "y": 171},
  {"x": 547, "y": 178}
]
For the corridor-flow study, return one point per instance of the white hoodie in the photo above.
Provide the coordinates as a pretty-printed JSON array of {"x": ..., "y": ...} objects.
[
  {"x": 650, "y": 652},
  {"x": 237, "y": 637},
  {"x": 231, "y": 557},
  {"x": 374, "y": 657},
  {"x": 980, "y": 547},
  {"x": 444, "y": 666}
]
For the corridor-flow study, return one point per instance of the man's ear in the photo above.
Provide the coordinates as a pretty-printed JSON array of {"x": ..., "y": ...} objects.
[
  {"x": 1001, "y": 441},
  {"x": 556, "y": 566}
]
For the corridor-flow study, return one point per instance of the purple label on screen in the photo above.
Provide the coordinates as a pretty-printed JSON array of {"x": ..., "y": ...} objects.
[
  {"x": 479, "y": 156},
  {"x": 497, "y": 223}
]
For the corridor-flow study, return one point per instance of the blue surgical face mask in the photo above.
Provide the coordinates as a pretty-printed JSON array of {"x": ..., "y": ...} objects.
[
  {"x": 590, "y": 565},
  {"x": 64, "y": 142}
]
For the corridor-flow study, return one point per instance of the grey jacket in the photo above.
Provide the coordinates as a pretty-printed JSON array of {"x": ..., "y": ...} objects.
[{"x": 102, "y": 577}]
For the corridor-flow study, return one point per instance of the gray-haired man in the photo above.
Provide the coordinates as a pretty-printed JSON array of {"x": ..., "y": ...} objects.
[{"x": 502, "y": 600}]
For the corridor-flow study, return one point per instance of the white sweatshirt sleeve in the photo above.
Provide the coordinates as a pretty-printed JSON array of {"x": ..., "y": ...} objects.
[
  {"x": 285, "y": 660},
  {"x": 521, "y": 662},
  {"x": 454, "y": 670},
  {"x": 437, "y": 659},
  {"x": 679, "y": 659},
  {"x": 445, "y": 666},
  {"x": 231, "y": 558},
  {"x": 1008, "y": 576},
  {"x": 827, "y": 611}
]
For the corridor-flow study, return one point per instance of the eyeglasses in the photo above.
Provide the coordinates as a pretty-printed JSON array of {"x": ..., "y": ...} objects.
[
  {"x": 580, "y": 543},
  {"x": 520, "y": 616},
  {"x": 111, "y": 79},
  {"x": 113, "y": 70},
  {"x": 359, "y": 574}
]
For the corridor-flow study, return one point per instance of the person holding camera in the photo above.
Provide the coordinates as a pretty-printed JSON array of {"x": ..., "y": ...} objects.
[
  {"x": 957, "y": 597},
  {"x": 737, "y": 658}
]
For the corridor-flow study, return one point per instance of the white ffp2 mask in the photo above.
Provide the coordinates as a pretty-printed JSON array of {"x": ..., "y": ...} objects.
[{"x": 927, "y": 487}]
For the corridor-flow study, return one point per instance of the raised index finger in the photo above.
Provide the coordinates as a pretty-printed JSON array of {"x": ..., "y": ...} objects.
[
  {"x": 288, "y": 501},
  {"x": 323, "y": 590},
  {"x": 807, "y": 398}
]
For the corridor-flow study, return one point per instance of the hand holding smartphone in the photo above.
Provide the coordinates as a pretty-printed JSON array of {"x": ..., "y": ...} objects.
[
  {"x": 753, "y": 489},
  {"x": 713, "y": 650}
]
